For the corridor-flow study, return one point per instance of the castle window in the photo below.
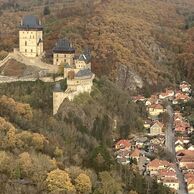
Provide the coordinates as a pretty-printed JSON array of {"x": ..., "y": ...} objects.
[
  {"x": 57, "y": 60},
  {"x": 25, "y": 43},
  {"x": 31, "y": 50},
  {"x": 25, "y": 50}
]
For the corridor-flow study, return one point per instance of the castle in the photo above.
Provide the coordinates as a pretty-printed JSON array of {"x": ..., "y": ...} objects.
[
  {"x": 31, "y": 36},
  {"x": 77, "y": 71}
]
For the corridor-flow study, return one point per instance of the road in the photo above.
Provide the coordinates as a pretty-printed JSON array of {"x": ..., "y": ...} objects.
[
  {"x": 169, "y": 134},
  {"x": 170, "y": 146}
]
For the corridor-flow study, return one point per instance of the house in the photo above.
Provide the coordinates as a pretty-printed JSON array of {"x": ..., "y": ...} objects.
[
  {"x": 158, "y": 141},
  {"x": 123, "y": 144},
  {"x": 186, "y": 161},
  {"x": 185, "y": 87},
  {"x": 147, "y": 123},
  {"x": 138, "y": 98},
  {"x": 166, "y": 173},
  {"x": 171, "y": 182},
  {"x": 188, "y": 175},
  {"x": 190, "y": 185},
  {"x": 63, "y": 53},
  {"x": 180, "y": 97},
  {"x": 167, "y": 94},
  {"x": 135, "y": 155},
  {"x": 182, "y": 140},
  {"x": 31, "y": 36},
  {"x": 156, "y": 128},
  {"x": 140, "y": 141},
  {"x": 179, "y": 141},
  {"x": 152, "y": 100},
  {"x": 184, "y": 153},
  {"x": 179, "y": 147},
  {"x": 191, "y": 190},
  {"x": 155, "y": 109},
  {"x": 155, "y": 165},
  {"x": 122, "y": 154},
  {"x": 181, "y": 126},
  {"x": 191, "y": 147},
  {"x": 178, "y": 115},
  {"x": 123, "y": 161}
]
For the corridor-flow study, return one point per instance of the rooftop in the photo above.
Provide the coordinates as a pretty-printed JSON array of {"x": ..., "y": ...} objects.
[
  {"x": 84, "y": 73},
  {"x": 31, "y": 22},
  {"x": 63, "y": 46}
]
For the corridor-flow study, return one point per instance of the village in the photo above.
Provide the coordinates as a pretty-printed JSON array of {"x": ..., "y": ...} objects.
[{"x": 172, "y": 136}]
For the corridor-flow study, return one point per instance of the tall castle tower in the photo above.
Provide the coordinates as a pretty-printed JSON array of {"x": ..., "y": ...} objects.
[{"x": 31, "y": 36}]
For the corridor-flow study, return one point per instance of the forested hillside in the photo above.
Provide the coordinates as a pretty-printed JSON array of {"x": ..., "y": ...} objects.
[
  {"x": 153, "y": 39},
  {"x": 69, "y": 153},
  {"x": 134, "y": 43}
]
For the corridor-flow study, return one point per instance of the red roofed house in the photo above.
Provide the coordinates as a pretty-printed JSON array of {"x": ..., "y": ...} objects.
[
  {"x": 135, "y": 154},
  {"x": 186, "y": 161},
  {"x": 123, "y": 144},
  {"x": 155, "y": 109},
  {"x": 181, "y": 97},
  {"x": 138, "y": 98},
  {"x": 166, "y": 94},
  {"x": 166, "y": 173},
  {"x": 155, "y": 165},
  {"x": 190, "y": 185},
  {"x": 171, "y": 182}
]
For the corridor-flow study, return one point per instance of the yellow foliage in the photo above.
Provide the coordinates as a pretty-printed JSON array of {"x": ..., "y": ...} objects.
[
  {"x": 4, "y": 161},
  {"x": 83, "y": 183},
  {"x": 58, "y": 180},
  {"x": 25, "y": 162}
]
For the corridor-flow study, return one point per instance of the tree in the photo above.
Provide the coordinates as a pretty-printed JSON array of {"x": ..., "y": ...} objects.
[
  {"x": 83, "y": 183},
  {"x": 25, "y": 163},
  {"x": 5, "y": 161},
  {"x": 108, "y": 185},
  {"x": 46, "y": 10},
  {"x": 58, "y": 180}
]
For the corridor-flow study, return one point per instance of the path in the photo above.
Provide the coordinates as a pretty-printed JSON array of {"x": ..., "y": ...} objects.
[{"x": 29, "y": 61}]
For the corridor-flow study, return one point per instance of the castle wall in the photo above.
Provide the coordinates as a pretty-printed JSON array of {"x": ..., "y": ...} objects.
[
  {"x": 82, "y": 65},
  {"x": 58, "y": 98},
  {"x": 28, "y": 43},
  {"x": 62, "y": 58}
]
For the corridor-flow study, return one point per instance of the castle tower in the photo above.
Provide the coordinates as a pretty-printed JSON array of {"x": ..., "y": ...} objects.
[
  {"x": 31, "y": 36},
  {"x": 63, "y": 53}
]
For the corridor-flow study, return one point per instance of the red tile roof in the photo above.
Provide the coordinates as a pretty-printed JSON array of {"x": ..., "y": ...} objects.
[
  {"x": 123, "y": 143},
  {"x": 135, "y": 153}
]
